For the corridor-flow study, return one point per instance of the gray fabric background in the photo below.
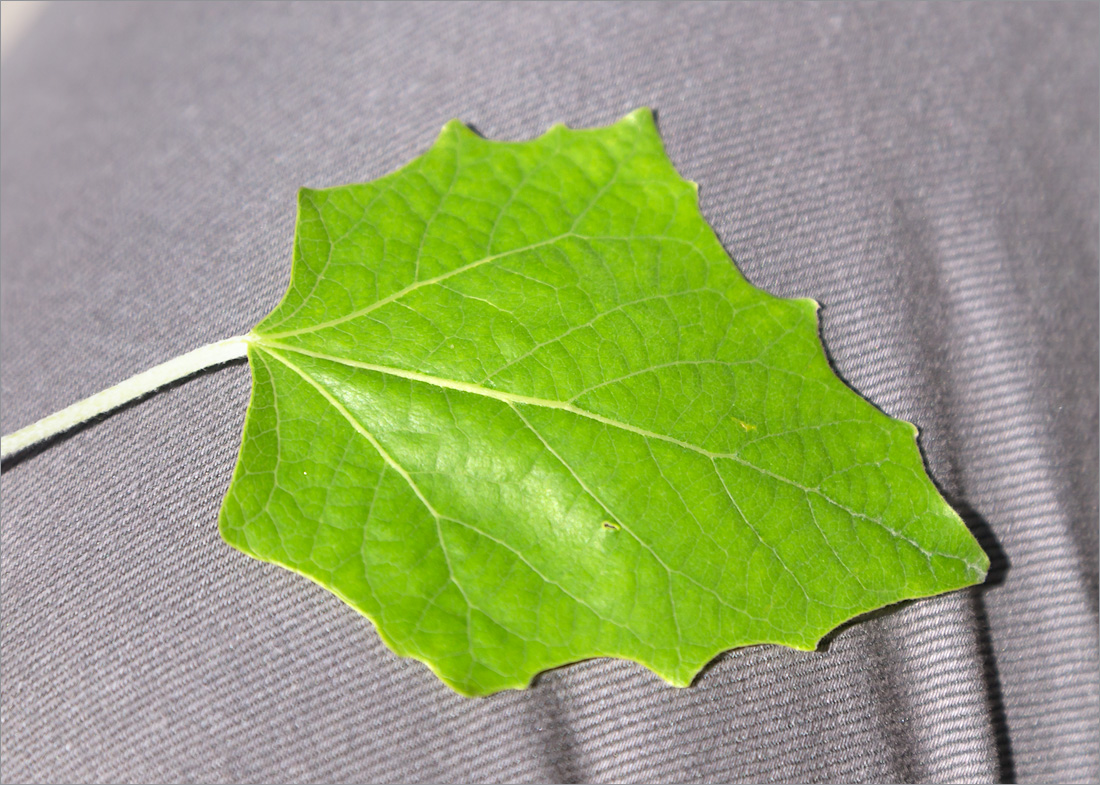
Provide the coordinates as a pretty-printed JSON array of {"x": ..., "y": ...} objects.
[{"x": 929, "y": 173}]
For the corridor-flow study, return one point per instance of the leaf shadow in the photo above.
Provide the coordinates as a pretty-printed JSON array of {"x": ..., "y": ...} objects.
[
  {"x": 38, "y": 448},
  {"x": 998, "y": 568}
]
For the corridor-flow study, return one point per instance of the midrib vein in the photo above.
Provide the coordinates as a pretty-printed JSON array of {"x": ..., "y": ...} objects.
[{"x": 274, "y": 347}]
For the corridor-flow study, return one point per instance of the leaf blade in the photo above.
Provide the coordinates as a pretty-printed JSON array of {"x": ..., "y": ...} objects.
[{"x": 586, "y": 433}]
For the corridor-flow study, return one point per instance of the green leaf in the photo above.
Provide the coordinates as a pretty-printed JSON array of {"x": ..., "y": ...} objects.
[{"x": 519, "y": 409}]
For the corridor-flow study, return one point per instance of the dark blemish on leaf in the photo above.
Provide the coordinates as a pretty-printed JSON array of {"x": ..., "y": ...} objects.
[{"x": 611, "y": 526}]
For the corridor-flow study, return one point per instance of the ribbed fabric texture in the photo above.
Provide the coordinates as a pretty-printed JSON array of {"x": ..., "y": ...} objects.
[{"x": 929, "y": 173}]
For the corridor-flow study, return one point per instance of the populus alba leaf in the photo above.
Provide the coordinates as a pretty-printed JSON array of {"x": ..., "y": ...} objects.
[{"x": 519, "y": 409}]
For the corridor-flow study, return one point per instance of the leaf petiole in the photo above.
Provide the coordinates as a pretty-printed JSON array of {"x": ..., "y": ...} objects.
[{"x": 135, "y": 387}]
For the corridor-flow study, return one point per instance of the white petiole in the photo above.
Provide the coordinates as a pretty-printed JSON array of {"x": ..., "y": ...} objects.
[{"x": 135, "y": 387}]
